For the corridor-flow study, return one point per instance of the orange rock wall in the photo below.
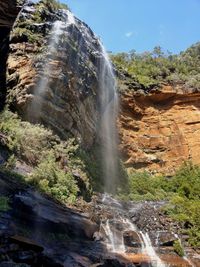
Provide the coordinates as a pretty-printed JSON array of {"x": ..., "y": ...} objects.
[{"x": 160, "y": 131}]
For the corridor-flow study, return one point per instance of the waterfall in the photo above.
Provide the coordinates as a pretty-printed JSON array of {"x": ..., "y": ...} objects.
[
  {"x": 42, "y": 87},
  {"x": 109, "y": 111},
  {"x": 115, "y": 235},
  {"x": 189, "y": 261},
  {"x": 108, "y": 131},
  {"x": 148, "y": 249},
  {"x": 115, "y": 239}
]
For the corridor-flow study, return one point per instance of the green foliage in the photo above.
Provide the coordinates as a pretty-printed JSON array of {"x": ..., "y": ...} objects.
[
  {"x": 178, "y": 248},
  {"x": 54, "y": 161},
  {"x": 26, "y": 33},
  {"x": 182, "y": 192},
  {"x": 4, "y": 204},
  {"x": 187, "y": 212},
  {"x": 186, "y": 181},
  {"x": 24, "y": 30},
  {"x": 54, "y": 5},
  {"x": 28, "y": 142},
  {"x": 63, "y": 6},
  {"x": 143, "y": 186},
  {"x": 50, "y": 178},
  {"x": 92, "y": 162},
  {"x": 151, "y": 69},
  {"x": 44, "y": 7},
  {"x": 93, "y": 165}
]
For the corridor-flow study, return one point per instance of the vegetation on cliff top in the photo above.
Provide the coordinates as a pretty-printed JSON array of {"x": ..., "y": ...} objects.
[
  {"x": 150, "y": 69},
  {"x": 52, "y": 5},
  {"x": 44, "y": 10}
]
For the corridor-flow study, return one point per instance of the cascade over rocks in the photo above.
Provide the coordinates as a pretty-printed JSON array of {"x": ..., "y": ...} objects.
[
  {"x": 133, "y": 221},
  {"x": 37, "y": 231}
]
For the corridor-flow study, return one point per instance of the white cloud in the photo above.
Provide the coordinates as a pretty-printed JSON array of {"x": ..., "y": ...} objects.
[{"x": 128, "y": 34}]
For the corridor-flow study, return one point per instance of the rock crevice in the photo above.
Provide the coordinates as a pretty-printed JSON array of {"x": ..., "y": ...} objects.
[{"x": 8, "y": 14}]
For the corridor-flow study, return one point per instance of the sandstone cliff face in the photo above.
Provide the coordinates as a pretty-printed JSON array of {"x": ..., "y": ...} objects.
[
  {"x": 160, "y": 130},
  {"x": 69, "y": 103}
]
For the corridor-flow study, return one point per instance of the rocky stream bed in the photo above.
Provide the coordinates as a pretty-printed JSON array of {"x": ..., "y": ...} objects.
[{"x": 37, "y": 231}]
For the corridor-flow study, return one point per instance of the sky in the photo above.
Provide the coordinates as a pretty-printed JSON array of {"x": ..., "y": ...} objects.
[{"x": 124, "y": 25}]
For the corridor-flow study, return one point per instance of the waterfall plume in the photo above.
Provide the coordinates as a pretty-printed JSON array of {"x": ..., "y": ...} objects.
[
  {"x": 108, "y": 131},
  {"x": 58, "y": 29}
]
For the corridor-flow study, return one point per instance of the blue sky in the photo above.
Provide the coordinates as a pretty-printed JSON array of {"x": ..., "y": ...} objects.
[{"x": 124, "y": 25}]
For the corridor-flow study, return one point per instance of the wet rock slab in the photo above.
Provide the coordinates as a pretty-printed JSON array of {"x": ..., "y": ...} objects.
[
  {"x": 38, "y": 231},
  {"x": 41, "y": 232}
]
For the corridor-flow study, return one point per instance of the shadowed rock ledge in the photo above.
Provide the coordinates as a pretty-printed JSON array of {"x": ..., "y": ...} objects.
[{"x": 8, "y": 14}]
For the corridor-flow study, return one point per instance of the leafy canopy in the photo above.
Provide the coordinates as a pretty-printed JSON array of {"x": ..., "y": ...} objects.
[{"x": 150, "y": 69}]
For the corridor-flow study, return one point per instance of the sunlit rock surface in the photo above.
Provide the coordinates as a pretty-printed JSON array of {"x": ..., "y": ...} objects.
[
  {"x": 69, "y": 104},
  {"x": 160, "y": 130}
]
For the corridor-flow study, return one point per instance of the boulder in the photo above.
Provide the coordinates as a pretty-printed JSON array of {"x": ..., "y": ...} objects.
[
  {"x": 26, "y": 243},
  {"x": 132, "y": 239},
  {"x": 166, "y": 239}
]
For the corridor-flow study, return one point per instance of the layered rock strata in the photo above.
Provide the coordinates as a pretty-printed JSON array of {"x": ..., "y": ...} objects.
[
  {"x": 160, "y": 130},
  {"x": 69, "y": 103}
]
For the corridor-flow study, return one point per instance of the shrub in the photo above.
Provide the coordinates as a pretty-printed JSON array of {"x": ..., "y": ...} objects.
[
  {"x": 28, "y": 142},
  {"x": 151, "y": 69},
  {"x": 4, "y": 204},
  {"x": 54, "y": 161},
  {"x": 23, "y": 30},
  {"x": 50, "y": 178},
  {"x": 26, "y": 34},
  {"x": 143, "y": 186},
  {"x": 178, "y": 248},
  {"x": 186, "y": 181},
  {"x": 182, "y": 191},
  {"x": 54, "y": 5}
]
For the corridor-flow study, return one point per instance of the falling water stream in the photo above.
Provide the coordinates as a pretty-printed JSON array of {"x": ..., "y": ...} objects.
[
  {"x": 108, "y": 131},
  {"x": 148, "y": 249},
  {"x": 115, "y": 236},
  {"x": 109, "y": 110},
  {"x": 116, "y": 240},
  {"x": 43, "y": 83},
  {"x": 109, "y": 106}
]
